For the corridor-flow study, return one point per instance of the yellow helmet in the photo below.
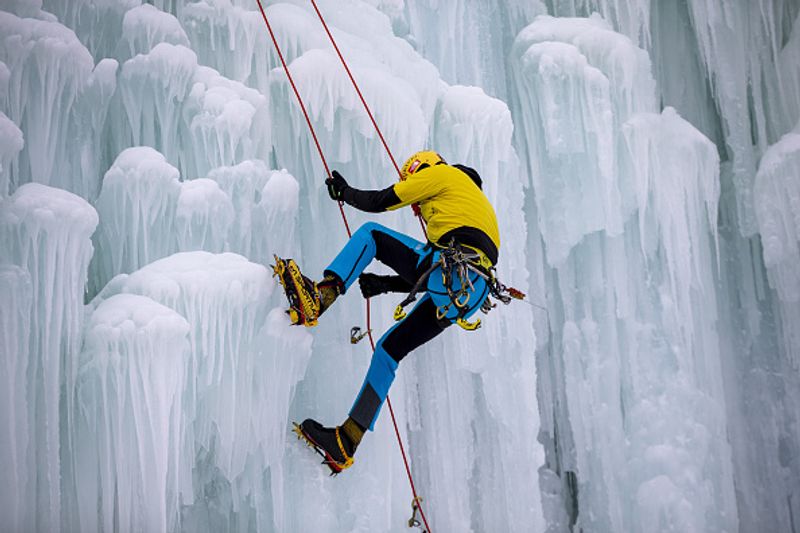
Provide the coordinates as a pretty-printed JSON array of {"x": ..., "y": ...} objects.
[{"x": 420, "y": 160}]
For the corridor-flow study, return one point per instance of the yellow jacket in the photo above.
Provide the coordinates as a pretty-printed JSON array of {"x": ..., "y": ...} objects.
[{"x": 452, "y": 205}]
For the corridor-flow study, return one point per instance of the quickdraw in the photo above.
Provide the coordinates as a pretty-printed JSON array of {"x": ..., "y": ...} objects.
[
  {"x": 458, "y": 261},
  {"x": 414, "y": 521},
  {"x": 356, "y": 334}
]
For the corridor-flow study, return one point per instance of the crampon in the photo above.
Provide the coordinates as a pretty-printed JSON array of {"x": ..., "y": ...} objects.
[
  {"x": 335, "y": 466},
  {"x": 302, "y": 293}
]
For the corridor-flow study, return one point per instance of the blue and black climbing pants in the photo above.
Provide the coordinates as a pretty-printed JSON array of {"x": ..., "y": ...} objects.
[{"x": 410, "y": 259}]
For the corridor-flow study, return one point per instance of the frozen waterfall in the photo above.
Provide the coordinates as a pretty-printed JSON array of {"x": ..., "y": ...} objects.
[{"x": 644, "y": 161}]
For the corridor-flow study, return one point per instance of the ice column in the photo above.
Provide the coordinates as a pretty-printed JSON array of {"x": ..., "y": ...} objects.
[
  {"x": 58, "y": 98},
  {"x": 633, "y": 372},
  {"x": 587, "y": 81},
  {"x": 672, "y": 443},
  {"x": 137, "y": 206},
  {"x": 677, "y": 193},
  {"x": 237, "y": 393},
  {"x": 777, "y": 202},
  {"x": 129, "y": 421},
  {"x": 46, "y": 232}
]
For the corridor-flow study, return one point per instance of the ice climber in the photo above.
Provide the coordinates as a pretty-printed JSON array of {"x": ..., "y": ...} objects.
[{"x": 454, "y": 270}]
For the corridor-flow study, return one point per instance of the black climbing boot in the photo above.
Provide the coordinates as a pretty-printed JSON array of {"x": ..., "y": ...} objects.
[{"x": 334, "y": 444}]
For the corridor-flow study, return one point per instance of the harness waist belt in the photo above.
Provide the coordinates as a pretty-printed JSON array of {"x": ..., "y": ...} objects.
[{"x": 474, "y": 239}]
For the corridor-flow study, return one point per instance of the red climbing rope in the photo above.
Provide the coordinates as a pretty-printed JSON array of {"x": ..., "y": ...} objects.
[
  {"x": 417, "y": 499},
  {"x": 369, "y": 113}
]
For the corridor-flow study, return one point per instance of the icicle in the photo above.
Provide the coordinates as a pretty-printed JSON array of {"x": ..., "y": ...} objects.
[{"x": 17, "y": 440}]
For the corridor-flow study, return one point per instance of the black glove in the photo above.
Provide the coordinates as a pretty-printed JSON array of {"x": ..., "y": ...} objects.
[
  {"x": 373, "y": 284},
  {"x": 336, "y": 186}
]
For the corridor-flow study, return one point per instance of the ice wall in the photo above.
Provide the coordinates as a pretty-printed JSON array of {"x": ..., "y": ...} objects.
[{"x": 651, "y": 378}]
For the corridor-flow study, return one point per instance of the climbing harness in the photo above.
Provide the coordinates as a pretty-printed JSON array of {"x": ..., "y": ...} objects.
[
  {"x": 456, "y": 262},
  {"x": 341, "y": 206}
]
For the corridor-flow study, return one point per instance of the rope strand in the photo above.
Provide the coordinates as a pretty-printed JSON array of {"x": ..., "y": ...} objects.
[
  {"x": 302, "y": 108},
  {"x": 341, "y": 208},
  {"x": 369, "y": 113}
]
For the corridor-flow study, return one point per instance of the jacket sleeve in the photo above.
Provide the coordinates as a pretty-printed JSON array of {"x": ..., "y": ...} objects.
[
  {"x": 420, "y": 186},
  {"x": 370, "y": 201}
]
